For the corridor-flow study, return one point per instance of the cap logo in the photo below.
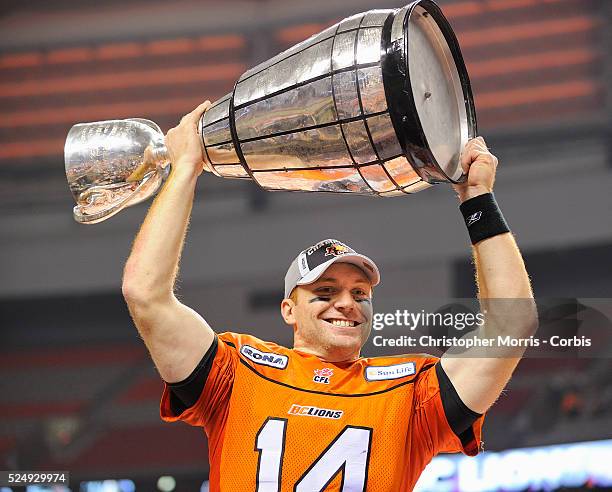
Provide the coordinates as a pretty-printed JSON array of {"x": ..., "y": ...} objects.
[{"x": 336, "y": 250}]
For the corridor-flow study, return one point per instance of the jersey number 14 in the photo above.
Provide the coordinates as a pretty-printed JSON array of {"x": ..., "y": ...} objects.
[{"x": 348, "y": 453}]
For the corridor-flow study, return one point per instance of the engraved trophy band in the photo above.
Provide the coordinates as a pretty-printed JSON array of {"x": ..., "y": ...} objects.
[{"x": 378, "y": 104}]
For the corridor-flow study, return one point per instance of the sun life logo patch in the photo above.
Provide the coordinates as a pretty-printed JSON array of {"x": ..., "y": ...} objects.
[{"x": 395, "y": 371}]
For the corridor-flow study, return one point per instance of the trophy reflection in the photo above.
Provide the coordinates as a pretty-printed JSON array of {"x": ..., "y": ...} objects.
[
  {"x": 378, "y": 104},
  {"x": 113, "y": 164}
]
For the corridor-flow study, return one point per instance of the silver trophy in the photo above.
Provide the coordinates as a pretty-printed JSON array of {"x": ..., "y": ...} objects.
[{"x": 378, "y": 104}]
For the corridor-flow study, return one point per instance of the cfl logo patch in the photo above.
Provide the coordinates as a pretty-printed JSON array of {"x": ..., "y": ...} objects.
[{"x": 322, "y": 375}]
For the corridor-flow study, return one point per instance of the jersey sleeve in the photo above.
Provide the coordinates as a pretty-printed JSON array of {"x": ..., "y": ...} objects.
[
  {"x": 212, "y": 404},
  {"x": 436, "y": 401}
]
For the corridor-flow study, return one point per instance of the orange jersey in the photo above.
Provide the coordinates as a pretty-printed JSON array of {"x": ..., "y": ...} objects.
[{"x": 279, "y": 419}]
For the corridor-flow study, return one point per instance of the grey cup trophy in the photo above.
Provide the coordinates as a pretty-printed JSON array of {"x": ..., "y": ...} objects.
[{"x": 378, "y": 104}]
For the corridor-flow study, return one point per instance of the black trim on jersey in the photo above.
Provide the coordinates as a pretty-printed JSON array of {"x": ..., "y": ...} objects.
[
  {"x": 459, "y": 416},
  {"x": 185, "y": 394},
  {"x": 424, "y": 368}
]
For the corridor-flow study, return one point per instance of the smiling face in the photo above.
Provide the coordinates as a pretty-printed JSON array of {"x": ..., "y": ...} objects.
[{"x": 332, "y": 317}]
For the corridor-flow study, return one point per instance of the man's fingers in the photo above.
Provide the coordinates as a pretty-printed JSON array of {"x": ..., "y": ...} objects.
[
  {"x": 193, "y": 117},
  {"x": 469, "y": 153},
  {"x": 203, "y": 107},
  {"x": 474, "y": 149},
  {"x": 469, "y": 156},
  {"x": 479, "y": 143},
  {"x": 199, "y": 111},
  {"x": 474, "y": 153}
]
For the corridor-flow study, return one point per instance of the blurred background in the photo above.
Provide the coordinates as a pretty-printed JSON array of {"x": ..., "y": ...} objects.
[{"x": 79, "y": 391}]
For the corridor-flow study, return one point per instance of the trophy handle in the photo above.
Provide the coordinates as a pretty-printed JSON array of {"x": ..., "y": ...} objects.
[{"x": 148, "y": 186}]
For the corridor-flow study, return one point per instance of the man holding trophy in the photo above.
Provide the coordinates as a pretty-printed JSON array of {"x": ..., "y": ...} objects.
[
  {"x": 270, "y": 426},
  {"x": 378, "y": 104}
]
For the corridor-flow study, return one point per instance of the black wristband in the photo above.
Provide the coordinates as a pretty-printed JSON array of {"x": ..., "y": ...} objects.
[{"x": 483, "y": 217}]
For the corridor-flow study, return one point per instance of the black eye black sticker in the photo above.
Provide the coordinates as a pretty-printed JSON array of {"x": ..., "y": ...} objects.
[{"x": 319, "y": 299}]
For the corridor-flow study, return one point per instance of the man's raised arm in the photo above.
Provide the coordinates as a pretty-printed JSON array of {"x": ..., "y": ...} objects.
[
  {"x": 480, "y": 374},
  {"x": 177, "y": 337}
]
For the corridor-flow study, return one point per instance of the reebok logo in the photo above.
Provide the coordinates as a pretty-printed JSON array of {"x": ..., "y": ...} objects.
[
  {"x": 269, "y": 359},
  {"x": 475, "y": 217}
]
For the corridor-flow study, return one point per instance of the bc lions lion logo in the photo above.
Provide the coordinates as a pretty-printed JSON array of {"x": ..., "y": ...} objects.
[{"x": 336, "y": 250}]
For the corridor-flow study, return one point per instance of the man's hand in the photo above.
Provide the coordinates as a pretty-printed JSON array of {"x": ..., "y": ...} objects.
[
  {"x": 185, "y": 144},
  {"x": 480, "y": 166}
]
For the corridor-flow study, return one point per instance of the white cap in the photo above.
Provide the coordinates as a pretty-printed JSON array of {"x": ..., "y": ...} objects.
[{"x": 310, "y": 264}]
